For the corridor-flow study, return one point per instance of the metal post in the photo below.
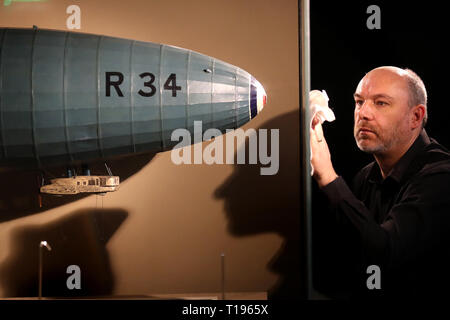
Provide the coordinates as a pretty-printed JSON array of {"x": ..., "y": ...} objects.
[
  {"x": 41, "y": 245},
  {"x": 305, "y": 194},
  {"x": 222, "y": 262},
  {"x": 40, "y": 272}
]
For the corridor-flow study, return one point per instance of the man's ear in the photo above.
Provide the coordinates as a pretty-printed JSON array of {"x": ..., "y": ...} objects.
[{"x": 417, "y": 115}]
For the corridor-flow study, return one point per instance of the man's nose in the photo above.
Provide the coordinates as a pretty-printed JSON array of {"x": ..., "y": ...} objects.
[{"x": 365, "y": 110}]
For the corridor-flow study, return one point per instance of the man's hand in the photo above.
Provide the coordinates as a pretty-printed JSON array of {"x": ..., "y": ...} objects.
[{"x": 320, "y": 156}]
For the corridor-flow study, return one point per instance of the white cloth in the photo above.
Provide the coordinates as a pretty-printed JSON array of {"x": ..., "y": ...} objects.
[{"x": 318, "y": 106}]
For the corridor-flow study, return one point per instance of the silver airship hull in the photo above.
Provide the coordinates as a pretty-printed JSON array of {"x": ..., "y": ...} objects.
[{"x": 68, "y": 97}]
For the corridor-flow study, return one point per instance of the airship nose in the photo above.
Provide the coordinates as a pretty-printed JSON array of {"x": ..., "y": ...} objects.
[{"x": 258, "y": 97}]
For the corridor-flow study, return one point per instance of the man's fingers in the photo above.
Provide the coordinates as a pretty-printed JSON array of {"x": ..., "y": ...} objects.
[
  {"x": 318, "y": 132},
  {"x": 312, "y": 138},
  {"x": 314, "y": 122}
]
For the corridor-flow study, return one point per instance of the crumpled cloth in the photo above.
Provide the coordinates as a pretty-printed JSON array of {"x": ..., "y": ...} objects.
[{"x": 318, "y": 106}]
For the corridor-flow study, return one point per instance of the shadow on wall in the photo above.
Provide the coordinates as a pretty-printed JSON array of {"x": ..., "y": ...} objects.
[
  {"x": 19, "y": 189},
  {"x": 76, "y": 239},
  {"x": 256, "y": 203}
]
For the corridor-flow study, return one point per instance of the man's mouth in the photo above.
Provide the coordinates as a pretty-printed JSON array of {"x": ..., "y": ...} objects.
[{"x": 365, "y": 130}]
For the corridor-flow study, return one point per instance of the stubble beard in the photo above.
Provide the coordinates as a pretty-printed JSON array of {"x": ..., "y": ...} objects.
[{"x": 385, "y": 141}]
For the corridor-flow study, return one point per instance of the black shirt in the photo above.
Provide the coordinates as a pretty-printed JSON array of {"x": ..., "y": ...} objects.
[{"x": 400, "y": 223}]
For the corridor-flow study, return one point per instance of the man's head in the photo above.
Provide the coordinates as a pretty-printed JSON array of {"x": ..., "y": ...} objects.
[{"x": 390, "y": 109}]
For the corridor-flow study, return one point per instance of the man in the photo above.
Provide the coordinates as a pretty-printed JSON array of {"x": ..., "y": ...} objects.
[{"x": 397, "y": 213}]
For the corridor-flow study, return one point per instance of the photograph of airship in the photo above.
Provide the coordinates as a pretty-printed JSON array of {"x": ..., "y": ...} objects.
[{"x": 69, "y": 98}]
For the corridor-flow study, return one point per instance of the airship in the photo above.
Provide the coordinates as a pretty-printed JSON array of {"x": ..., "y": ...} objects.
[{"x": 70, "y": 98}]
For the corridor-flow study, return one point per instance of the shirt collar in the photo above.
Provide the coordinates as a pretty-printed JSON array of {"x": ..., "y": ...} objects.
[{"x": 399, "y": 172}]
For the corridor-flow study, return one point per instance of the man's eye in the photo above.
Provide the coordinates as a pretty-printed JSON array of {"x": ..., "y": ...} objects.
[
  {"x": 359, "y": 102},
  {"x": 381, "y": 103}
]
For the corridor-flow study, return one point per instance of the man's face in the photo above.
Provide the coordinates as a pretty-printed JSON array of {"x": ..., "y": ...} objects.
[{"x": 381, "y": 111}]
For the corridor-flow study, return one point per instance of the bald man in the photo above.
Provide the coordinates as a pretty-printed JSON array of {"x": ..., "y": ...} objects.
[{"x": 398, "y": 208}]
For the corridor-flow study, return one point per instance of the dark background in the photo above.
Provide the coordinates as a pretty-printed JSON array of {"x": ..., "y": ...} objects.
[{"x": 343, "y": 49}]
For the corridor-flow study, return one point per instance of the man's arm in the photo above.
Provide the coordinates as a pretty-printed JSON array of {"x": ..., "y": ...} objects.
[
  {"x": 320, "y": 156},
  {"x": 415, "y": 225}
]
